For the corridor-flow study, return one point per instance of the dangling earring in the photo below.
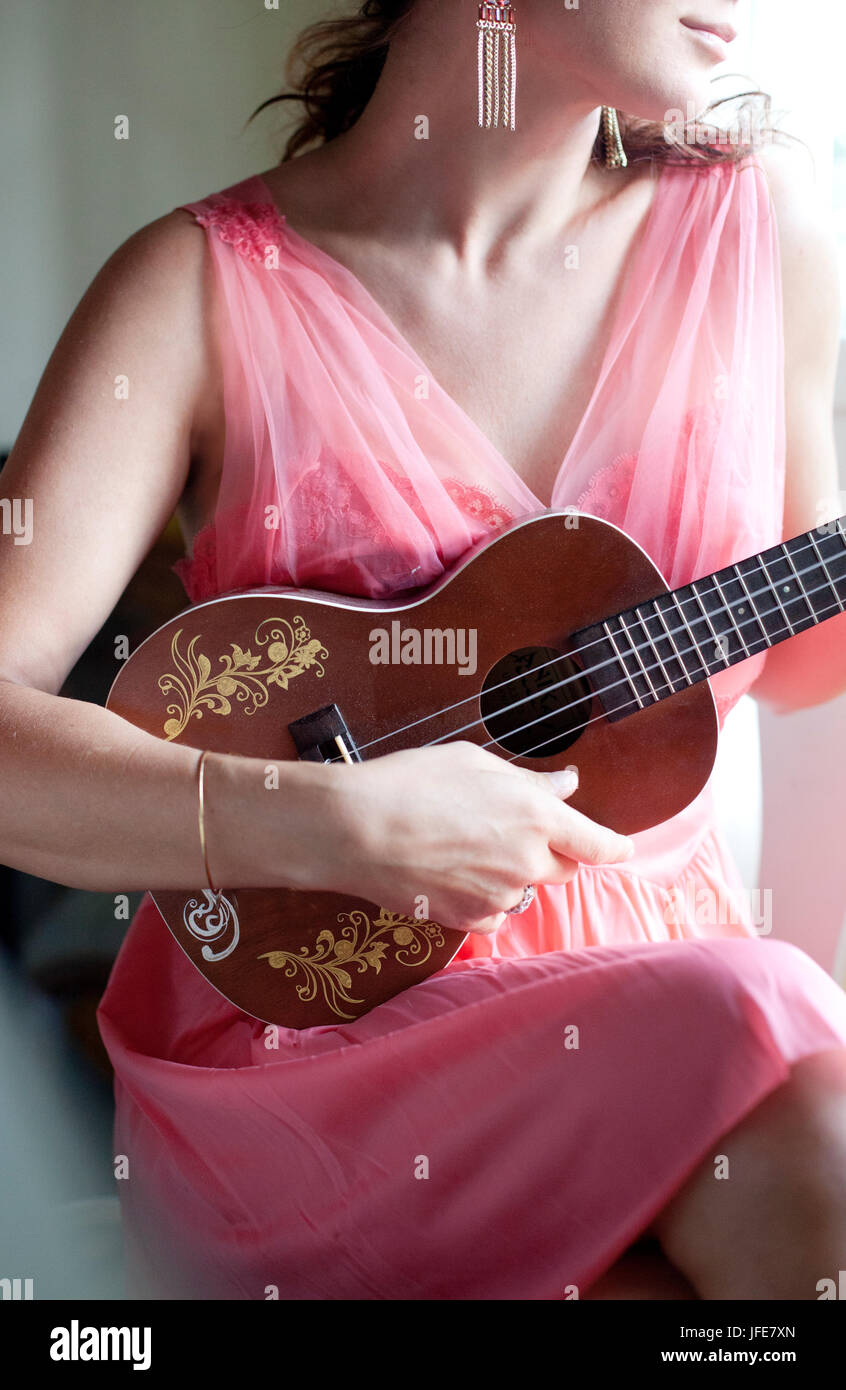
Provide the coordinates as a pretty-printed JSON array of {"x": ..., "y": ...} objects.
[
  {"x": 615, "y": 155},
  {"x": 497, "y": 64}
]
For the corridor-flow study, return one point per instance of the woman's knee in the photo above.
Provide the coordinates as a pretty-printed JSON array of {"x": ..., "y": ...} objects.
[
  {"x": 783, "y": 1187},
  {"x": 804, "y": 1123}
]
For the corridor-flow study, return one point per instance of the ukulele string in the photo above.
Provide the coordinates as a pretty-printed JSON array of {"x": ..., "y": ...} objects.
[
  {"x": 628, "y": 709},
  {"x": 788, "y": 629},
  {"x": 601, "y": 690},
  {"x": 590, "y": 670},
  {"x": 670, "y": 632},
  {"x": 637, "y": 649}
]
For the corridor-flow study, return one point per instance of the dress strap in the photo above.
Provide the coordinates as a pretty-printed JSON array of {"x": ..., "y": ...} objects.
[{"x": 242, "y": 216}]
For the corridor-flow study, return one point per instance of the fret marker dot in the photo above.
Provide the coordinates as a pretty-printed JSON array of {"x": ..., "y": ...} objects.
[
  {"x": 786, "y": 589},
  {"x": 741, "y": 611}
]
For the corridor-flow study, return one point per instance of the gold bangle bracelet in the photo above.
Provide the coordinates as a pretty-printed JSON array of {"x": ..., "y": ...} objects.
[{"x": 201, "y": 817}]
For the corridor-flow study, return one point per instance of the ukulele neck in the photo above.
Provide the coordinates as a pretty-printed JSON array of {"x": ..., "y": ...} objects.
[{"x": 660, "y": 647}]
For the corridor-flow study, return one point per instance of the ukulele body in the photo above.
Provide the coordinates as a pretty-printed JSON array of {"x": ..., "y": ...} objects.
[{"x": 234, "y": 673}]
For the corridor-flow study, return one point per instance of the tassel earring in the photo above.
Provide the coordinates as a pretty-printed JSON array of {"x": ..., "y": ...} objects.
[
  {"x": 497, "y": 64},
  {"x": 615, "y": 155}
]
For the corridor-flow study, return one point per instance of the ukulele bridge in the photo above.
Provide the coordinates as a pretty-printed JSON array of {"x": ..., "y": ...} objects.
[{"x": 323, "y": 737}]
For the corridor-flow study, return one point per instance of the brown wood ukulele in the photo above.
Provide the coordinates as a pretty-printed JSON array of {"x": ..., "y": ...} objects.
[{"x": 539, "y": 645}]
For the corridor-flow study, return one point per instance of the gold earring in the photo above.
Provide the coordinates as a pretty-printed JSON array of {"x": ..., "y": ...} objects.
[
  {"x": 497, "y": 64},
  {"x": 615, "y": 155}
]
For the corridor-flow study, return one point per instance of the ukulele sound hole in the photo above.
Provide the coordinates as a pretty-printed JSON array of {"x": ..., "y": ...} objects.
[{"x": 527, "y": 708}]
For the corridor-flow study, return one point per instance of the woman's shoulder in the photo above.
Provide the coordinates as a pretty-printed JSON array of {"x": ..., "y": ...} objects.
[
  {"x": 787, "y": 163},
  {"x": 796, "y": 194},
  {"x": 243, "y": 215},
  {"x": 787, "y": 185},
  {"x": 807, "y": 246}
]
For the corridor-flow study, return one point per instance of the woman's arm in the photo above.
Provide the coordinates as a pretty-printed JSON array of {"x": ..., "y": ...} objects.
[
  {"x": 811, "y": 667},
  {"x": 86, "y": 798},
  {"x": 89, "y": 800}
]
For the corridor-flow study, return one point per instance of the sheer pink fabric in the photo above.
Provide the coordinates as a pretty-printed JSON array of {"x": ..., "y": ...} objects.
[{"x": 288, "y": 1161}]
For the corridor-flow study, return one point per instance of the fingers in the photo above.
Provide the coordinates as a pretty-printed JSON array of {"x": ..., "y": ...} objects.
[
  {"x": 560, "y": 868},
  {"x": 578, "y": 837},
  {"x": 561, "y": 784}
]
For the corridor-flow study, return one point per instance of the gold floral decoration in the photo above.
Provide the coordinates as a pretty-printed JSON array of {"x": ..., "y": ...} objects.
[
  {"x": 360, "y": 944},
  {"x": 246, "y": 678}
]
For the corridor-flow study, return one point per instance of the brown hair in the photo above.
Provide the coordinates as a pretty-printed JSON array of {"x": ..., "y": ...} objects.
[{"x": 335, "y": 64}]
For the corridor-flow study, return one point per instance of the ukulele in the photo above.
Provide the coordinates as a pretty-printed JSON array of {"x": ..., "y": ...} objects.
[{"x": 555, "y": 642}]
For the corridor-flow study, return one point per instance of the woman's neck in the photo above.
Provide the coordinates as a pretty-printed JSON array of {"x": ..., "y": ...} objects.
[{"x": 417, "y": 165}]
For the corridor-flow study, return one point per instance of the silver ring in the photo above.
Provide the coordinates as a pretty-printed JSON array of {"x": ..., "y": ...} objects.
[{"x": 526, "y": 901}]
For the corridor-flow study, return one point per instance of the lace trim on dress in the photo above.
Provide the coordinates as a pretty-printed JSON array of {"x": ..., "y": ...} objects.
[
  {"x": 325, "y": 501},
  {"x": 198, "y": 571},
  {"x": 609, "y": 488},
  {"x": 479, "y": 503},
  {"x": 250, "y": 227}
]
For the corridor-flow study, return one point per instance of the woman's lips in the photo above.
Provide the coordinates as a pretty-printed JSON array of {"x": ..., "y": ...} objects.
[{"x": 716, "y": 37}]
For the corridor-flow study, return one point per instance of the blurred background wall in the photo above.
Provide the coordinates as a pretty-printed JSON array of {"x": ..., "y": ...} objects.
[{"x": 187, "y": 74}]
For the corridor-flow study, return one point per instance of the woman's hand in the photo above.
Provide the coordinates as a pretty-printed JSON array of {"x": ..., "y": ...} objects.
[{"x": 459, "y": 828}]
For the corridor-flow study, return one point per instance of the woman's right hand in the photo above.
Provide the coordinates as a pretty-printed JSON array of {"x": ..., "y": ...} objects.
[{"x": 458, "y": 829}]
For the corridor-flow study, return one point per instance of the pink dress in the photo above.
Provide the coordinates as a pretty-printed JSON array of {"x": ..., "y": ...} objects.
[{"x": 508, "y": 1127}]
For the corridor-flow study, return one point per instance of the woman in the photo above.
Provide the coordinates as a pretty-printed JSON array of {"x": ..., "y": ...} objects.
[{"x": 452, "y": 1143}]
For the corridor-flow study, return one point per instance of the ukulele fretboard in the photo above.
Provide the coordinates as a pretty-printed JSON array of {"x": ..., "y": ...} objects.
[{"x": 683, "y": 636}]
